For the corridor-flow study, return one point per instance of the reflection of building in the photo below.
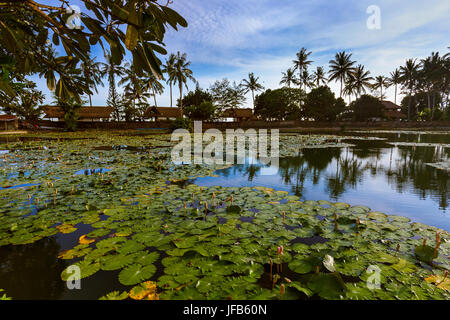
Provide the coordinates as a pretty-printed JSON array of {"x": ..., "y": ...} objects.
[
  {"x": 392, "y": 111},
  {"x": 238, "y": 114},
  {"x": 8, "y": 122},
  {"x": 167, "y": 113}
]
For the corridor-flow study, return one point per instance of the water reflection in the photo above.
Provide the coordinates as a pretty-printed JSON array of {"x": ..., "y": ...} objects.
[
  {"x": 32, "y": 271},
  {"x": 395, "y": 180}
]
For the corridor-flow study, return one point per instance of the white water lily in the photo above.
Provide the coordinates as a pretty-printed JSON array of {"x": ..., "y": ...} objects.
[{"x": 328, "y": 262}]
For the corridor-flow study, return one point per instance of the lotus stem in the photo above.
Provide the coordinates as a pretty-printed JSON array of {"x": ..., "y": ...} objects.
[
  {"x": 397, "y": 249},
  {"x": 335, "y": 222},
  {"x": 271, "y": 265},
  {"x": 282, "y": 291},
  {"x": 284, "y": 216},
  {"x": 206, "y": 209},
  {"x": 438, "y": 244},
  {"x": 425, "y": 241},
  {"x": 185, "y": 209},
  {"x": 317, "y": 269}
]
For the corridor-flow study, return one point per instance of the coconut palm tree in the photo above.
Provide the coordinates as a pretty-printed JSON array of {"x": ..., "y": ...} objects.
[
  {"x": 92, "y": 74},
  {"x": 134, "y": 88},
  {"x": 306, "y": 79},
  {"x": 252, "y": 85},
  {"x": 341, "y": 68},
  {"x": 380, "y": 83},
  {"x": 288, "y": 77},
  {"x": 151, "y": 83},
  {"x": 181, "y": 75},
  {"x": 302, "y": 61},
  {"x": 395, "y": 80},
  {"x": 409, "y": 75},
  {"x": 169, "y": 68},
  {"x": 350, "y": 89},
  {"x": 360, "y": 80},
  {"x": 319, "y": 76},
  {"x": 112, "y": 70}
]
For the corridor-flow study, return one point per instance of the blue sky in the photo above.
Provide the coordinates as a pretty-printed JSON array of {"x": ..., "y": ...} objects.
[{"x": 230, "y": 38}]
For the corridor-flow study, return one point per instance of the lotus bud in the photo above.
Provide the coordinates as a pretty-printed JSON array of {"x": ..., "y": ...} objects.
[
  {"x": 231, "y": 199},
  {"x": 397, "y": 249},
  {"x": 284, "y": 216},
  {"x": 424, "y": 241},
  {"x": 282, "y": 291}
]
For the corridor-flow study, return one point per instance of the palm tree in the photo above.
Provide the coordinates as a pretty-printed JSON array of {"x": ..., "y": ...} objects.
[
  {"x": 409, "y": 76},
  {"x": 112, "y": 70},
  {"x": 92, "y": 74},
  {"x": 350, "y": 89},
  {"x": 395, "y": 79},
  {"x": 306, "y": 79},
  {"x": 319, "y": 76},
  {"x": 288, "y": 77},
  {"x": 380, "y": 82},
  {"x": 360, "y": 80},
  {"x": 341, "y": 68},
  {"x": 181, "y": 74},
  {"x": 252, "y": 85},
  {"x": 151, "y": 83},
  {"x": 169, "y": 68},
  {"x": 134, "y": 88},
  {"x": 302, "y": 61}
]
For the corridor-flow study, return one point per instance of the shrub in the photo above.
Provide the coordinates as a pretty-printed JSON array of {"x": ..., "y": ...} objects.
[
  {"x": 367, "y": 107},
  {"x": 181, "y": 123}
]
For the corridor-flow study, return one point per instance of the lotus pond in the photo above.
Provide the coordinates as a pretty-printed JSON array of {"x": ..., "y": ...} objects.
[{"x": 338, "y": 211}]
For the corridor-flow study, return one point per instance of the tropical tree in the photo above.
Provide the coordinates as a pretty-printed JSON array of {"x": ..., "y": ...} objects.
[
  {"x": 182, "y": 74},
  {"x": 360, "y": 79},
  {"x": 301, "y": 62},
  {"x": 350, "y": 89},
  {"x": 306, "y": 79},
  {"x": 251, "y": 84},
  {"x": 112, "y": 70},
  {"x": 409, "y": 75},
  {"x": 169, "y": 69},
  {"x": 29, "y": 27},
  {"x": 319, "y": 77},
  {"x": 341, "y": 68},
  {"x": 289, "y": 78},
  {"x": 380, "y": 83},
  {"x": 152, "y": 84},
  {"x": 92, "y": 73},
  {"x": 395, "y": 80},
  {"x": 134, "y": 92}
]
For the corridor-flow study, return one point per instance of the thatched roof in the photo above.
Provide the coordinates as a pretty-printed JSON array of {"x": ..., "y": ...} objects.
[
  {"x": 388, "y": 105},
  {"x": 237, "y": 113},
  {"x": 7, "y": 117},
  {"x": 83, "y": 112},
  {"x": 162, "y": 112}
]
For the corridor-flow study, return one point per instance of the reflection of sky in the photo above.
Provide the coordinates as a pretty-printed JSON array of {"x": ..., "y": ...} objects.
[{"x": 374, "y": 187}]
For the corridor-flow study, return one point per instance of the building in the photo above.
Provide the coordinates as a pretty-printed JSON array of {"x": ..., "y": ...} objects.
[
  {"x": 8, "y": 122},
  {"x": 158, "y": 113},
  {"x": 85, "y": 113},
  {"x": 238, "y": 114},
  {"x": 392, "y": 111}
]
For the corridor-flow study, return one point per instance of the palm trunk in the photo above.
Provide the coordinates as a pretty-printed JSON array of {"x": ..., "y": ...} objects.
[
  {"x": 171, "y": 105},
  {"x": 154, "y": 97},
  {"x": 253, "y": 97},
  {"x": 90, "y": 100},
  {"x": 181, "y": 101},
  {"x": 340, "y": 94},
  {"x": 395, "y": 97}
]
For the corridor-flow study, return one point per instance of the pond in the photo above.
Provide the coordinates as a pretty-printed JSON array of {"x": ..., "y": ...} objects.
[
  {"x": 140, "y": 227},
  {"x": 389, "y": 178}
]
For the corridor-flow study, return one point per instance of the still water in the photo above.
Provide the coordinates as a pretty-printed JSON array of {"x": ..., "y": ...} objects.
[{"x": 386, "y": 178}]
